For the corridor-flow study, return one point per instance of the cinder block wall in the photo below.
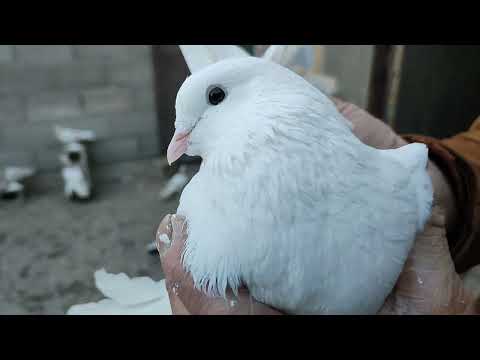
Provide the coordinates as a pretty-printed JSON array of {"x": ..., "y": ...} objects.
[{"x": 106, "y": 88}]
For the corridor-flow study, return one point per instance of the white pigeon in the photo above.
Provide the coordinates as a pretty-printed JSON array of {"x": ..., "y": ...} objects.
[
  {"x": 76, "y": 171},
  {"x": 288, "y": 202},
  {"x": 18, "y": 174},
  {"x": 125, "y": 296}
]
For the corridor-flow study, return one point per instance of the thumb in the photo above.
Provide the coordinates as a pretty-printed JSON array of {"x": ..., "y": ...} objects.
[
  {"x": 184, "y": 297},
  {"x": 170, "y": 240},
  {"x": 429, "y": 283}
]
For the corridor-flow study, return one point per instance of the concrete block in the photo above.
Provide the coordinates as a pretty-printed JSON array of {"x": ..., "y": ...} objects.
[
  {"x": 79, "y": 75},
  {"x": 6, "y": 54},
  {"x": 44, "y": 54},
  {"x": 12, "y": 110},
  {"x": 138, "y": 74},
  {"x": 18, "y": 79},
  {"x": 109, "y": 151},
  {"x": 109, "y": 99},
  {"x": 112, "y": 53},
  {"x": 15, "y": 79},
  {"x": 16, "y": 158},
  {"x": 53, "y": 106},
  {"x": 149, "y": 145},
  {"x": 27, "y": 137},
  {"x": 144, "y": 99},
  {"x": 133, "y": 123}
]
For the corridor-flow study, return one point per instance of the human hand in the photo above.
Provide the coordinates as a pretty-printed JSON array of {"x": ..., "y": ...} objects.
[
  {"x": 378, "y": 134},
  {"x": 184, "y": 298},
  {"x": 429, "y": 284}
]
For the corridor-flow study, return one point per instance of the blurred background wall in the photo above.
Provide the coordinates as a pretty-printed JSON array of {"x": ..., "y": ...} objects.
[
  {"x": 106, "y": 88},
  {"x": 351, "y": 65},
  {"x": 126, "y": 93}
]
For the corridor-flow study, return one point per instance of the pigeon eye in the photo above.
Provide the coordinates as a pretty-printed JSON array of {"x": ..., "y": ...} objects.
[{"x": 216, "y": 95}]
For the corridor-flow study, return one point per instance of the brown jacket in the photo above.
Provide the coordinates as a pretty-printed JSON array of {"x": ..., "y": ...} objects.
[{"x": 459, "y": 158}]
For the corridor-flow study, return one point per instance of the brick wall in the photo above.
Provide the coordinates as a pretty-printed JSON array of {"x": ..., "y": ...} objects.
[{"x": 106, "y": 88}]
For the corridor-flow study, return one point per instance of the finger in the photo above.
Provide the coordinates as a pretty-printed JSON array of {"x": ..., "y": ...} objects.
[
  {"x": 338, "y": 102},
  {"x": 172, "y": 229},
  {"x": 429, "y": 282},
  {"x": 178, "y": 308},
  {"x": 471, "y": 281},
  {"x": 184, "y": 297},
  {"x": 171, "y": 237},
  {"x": 368, "y": 128},
  {"x": 431, "y": 250},
  {"x": 164, "y": 235},
  {"x": 191, "y": 300},
  {"x": 420, "y": 278}
]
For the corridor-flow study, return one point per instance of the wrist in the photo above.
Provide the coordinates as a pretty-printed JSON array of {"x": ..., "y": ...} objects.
[
  {"x": 444, "y": 173},
  {"x": 443, "y": 193}
]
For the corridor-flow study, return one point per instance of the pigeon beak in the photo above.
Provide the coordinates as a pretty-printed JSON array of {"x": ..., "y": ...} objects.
[{"x": 178, "y": 146}]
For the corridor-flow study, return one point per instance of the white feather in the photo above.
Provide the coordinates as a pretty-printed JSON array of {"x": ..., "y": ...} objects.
[{"x": 125, "y": 296}]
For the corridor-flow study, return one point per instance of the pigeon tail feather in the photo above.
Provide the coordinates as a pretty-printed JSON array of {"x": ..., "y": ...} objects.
[{"x": 415, "y": 158}]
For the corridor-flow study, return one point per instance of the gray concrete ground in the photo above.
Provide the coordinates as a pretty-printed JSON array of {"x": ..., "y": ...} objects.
[{"x": 50, "y": 248}]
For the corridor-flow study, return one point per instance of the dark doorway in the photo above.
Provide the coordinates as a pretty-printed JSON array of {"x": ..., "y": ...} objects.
[
  {"x": 170, "y": 72},
  {"x": 439, "y": 91},
  {"x": 426, "y": 89},
  {"x": 380, "y": 80}
]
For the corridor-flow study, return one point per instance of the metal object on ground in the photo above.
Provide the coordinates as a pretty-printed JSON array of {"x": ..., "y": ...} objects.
[{"x": 74, "y": 158}]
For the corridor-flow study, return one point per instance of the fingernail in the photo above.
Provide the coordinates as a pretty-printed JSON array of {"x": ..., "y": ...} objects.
[{"x": 178, "y": 225}]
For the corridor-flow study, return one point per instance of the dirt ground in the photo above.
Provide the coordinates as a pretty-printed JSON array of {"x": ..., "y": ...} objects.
[{"x": 50, "y": 247}]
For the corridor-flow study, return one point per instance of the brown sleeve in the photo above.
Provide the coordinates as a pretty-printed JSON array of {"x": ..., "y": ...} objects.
[{"x": 459, "y": 159}]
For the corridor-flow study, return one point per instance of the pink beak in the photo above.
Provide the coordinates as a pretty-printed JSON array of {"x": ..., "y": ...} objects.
[{"x": 178, "y": 146}]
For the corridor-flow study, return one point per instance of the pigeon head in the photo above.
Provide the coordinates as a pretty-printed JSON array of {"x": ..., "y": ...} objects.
[{"x": 228, "y": 99}]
